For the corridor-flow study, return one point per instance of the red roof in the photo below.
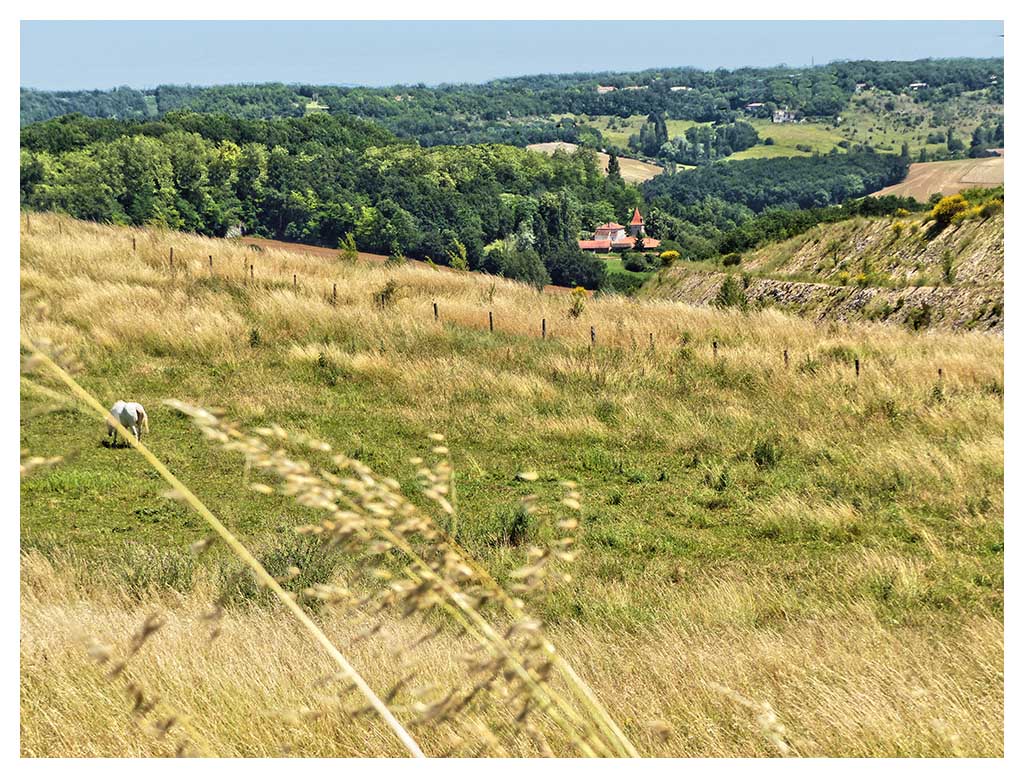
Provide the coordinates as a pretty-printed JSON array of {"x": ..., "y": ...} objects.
[
  {"x": 637, "y": 218},
  {"x": 649, "y": 243},
  {"x": 607, "y": 245},
  {"x": 610, "y": 226}
]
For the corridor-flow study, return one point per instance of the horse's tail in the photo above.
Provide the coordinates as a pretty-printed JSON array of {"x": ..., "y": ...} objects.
[{"x": 144, "y": 420}]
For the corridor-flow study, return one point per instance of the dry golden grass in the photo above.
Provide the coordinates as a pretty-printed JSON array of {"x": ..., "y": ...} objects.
[
  {"x": 856, "y": 589},
  {"x": 852, "y": 688}
]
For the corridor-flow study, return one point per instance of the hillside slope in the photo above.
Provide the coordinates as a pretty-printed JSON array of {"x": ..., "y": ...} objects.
[
  {"x": 950, "y": 177},
  {"x": 893, "y": 270},
  {"x": 634, "y": 171},
  {"x": 738, "y": 512}
]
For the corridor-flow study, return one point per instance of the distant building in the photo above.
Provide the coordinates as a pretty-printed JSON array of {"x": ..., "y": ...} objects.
[
  {"x": 601, "y": 90},
  {"x": 753, "y": 106},
  {"x": 783, "y": 116},
  {"x": 680, "y": 88},
  {"x": 918, "y": 85},
  {"x": 860, "y": 87},
  {"x": 634, "y": 88},
  {"x": 612, "y": 236}
]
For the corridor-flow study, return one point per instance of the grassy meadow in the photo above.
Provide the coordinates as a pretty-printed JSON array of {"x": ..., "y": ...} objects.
[
  {"x": 819, "y": 137},
  {"x": 875, "y": 117},
  {"x": 887, "y": 121},
  {"x": 787, "y": 137},
  {"x": 773, "y": 559}
]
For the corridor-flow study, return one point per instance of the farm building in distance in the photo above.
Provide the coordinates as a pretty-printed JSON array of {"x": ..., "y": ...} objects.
[{"x": 612, "y": 236}]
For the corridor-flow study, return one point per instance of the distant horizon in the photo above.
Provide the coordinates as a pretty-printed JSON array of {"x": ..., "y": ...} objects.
[
  {"x": 411, "y": 85},
  {"x": 61, "y": 56}
]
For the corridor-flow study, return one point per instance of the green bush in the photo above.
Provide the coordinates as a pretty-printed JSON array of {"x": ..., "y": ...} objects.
[
  {"x": 731, "y": 260},
  {"x": 730, "y": 294},
  {"x": 919, "y": 318},
  {"x": 636, "y": 263}
]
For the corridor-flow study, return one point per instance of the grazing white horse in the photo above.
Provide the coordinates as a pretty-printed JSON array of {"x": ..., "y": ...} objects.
[{"x": 132, "y": 416}]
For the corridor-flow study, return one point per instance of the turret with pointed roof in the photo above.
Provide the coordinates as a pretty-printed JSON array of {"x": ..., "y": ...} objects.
[{"x": 636, "y": 224}]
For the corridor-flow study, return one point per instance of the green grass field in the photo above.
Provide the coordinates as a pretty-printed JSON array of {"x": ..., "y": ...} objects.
[
  {"x": 617, "y": 130},
  {"x": 880, "y": 119},
  {"x": 821, "y": 138},
  {"x": 830, "y": 545},
  {"x": 614, "y": 264}
]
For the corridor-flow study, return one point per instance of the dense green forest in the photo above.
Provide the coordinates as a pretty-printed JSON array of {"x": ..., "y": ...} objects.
[
  {"x": 441, "y": 173},
  {"x": 320, "y": 179},
  {"x": 698, "y": 207},
  {"x": 518, "y": 111}
]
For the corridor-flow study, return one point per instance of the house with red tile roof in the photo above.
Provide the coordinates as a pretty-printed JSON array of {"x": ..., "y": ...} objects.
[{"x": 612, "y": 236}]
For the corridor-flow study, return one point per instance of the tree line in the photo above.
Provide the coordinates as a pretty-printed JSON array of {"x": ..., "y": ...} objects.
[
  {"x": 497, "y": 111},
  {"x": 696, "y": 208},
  {"x": 329, "y": 181}
]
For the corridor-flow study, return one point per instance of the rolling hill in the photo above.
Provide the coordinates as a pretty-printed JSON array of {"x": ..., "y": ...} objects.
[
  {"x": 754, "y": 533},
  {"x": 634, "y": 171},
  {"x": 927, "y": 178},
  {"x": 898, "y": 270}
]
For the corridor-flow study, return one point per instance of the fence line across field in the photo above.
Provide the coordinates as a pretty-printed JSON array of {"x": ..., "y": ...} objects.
[{"x": 490, "y": 314}]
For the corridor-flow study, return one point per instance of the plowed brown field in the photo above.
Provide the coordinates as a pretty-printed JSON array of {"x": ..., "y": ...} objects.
[{"x": 926, "y": 178}]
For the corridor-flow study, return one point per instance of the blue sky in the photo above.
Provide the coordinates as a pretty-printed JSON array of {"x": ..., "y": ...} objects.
[{"x": 99, "y": 55}]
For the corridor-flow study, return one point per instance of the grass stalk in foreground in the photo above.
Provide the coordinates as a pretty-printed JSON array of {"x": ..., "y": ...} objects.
[
  {"x": 367, "y": 505},
  {"x": 236, "y": 546}
]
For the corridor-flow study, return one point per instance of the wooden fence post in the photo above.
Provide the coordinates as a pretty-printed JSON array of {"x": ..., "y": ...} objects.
[
  {"x": 650, "y": 338},
  {"x": 211, "y": 263},
  {"x": 252, "y": 272},
  {"x": 435, "y": 311},
  {"x": 60, "y": 227},
  {"x": 856, "y": 367},
  {"x": 172, "y": 257},
  {"x": 785, "y": 356},
  {"x": 593, "y": 335},
  {"x": 543, "y": 329},
  {"x": 28, "y": 222},
  {"x": 714, "y": 348},
  {"x": 490, "y": 319},
  {"x": 133, "y": 244},
  {"x": 295, "y": 281},
  {"x": 334, "y": 295}
]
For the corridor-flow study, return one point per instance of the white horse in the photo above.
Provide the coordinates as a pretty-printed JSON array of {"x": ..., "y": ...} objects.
[{"x": 131, "y": 415}]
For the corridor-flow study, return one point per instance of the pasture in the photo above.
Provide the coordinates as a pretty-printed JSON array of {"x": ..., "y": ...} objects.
[
  {"x": 887, "y": 121},
  {"x": 617, "y": 129},
  {"x": 756, "y": 536},
  {"x": 809, "y": 136},
  {"x": 816, "y": 136}
]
